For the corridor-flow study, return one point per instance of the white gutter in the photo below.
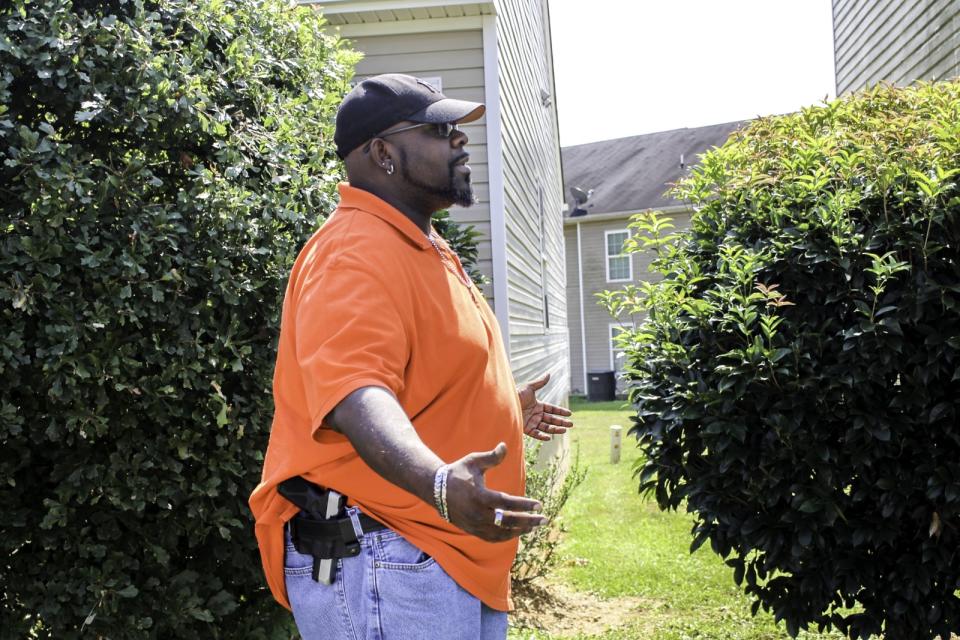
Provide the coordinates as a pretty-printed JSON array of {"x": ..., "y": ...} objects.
[
  {"x": 368, "y": 29},
  {"x": 583, "y": 329},
  {"x": 614, "y": 215},
  {"x": 330, "y": 7},
  {"x": 498, "y": 224}
]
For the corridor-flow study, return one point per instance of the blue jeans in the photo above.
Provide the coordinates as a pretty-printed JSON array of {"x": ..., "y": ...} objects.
[{"x": 391, "y": 591}]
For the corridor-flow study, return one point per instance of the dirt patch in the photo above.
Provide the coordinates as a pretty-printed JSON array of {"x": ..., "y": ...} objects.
[{"x": 561, "y": 611}]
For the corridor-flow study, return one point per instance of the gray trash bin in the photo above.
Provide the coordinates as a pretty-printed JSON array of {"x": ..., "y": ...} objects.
[{"x": 601, "y": 385}]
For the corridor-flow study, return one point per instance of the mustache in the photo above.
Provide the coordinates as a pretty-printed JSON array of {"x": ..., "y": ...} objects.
[{"x": 456, "y": 160}]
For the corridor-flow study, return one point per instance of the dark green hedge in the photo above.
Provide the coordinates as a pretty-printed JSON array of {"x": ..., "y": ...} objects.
[
  {"x": 160, "y": 165},
  {"x": 464, "y": 240},
  {"x": 797, "y": 379}
]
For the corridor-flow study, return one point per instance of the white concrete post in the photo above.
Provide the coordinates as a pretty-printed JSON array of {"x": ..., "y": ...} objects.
[{"x": 615, "y": 431}]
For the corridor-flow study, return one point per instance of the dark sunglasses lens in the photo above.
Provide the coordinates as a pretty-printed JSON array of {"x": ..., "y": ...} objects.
[{"x": 446, "y": 129}]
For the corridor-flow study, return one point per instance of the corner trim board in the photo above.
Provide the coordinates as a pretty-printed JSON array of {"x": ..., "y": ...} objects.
[{"x": 498, "y": 223}]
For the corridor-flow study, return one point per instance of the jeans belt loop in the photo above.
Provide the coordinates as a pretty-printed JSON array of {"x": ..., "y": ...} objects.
[{"x": 355, "y": 519}]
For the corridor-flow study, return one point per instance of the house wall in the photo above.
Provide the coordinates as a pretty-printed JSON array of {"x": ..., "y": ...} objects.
[
  {"x": 456, "y": 57},
  {"x": 895, "y": 41},
  {"x": 573, "y": 310},
  {"x": 532, "y": 197},
  {"x": 501, "y": 55},
  {"x": 596, "y": 318}
]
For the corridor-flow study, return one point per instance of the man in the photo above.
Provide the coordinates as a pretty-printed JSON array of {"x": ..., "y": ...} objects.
[{"x": 392, "y": 387}]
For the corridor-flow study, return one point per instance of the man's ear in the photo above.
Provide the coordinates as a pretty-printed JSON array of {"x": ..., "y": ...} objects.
[{"x": 381, "y": 154}]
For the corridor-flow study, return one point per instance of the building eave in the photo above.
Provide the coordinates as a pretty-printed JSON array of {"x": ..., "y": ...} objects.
[
  {"x": 622, "y": 215},
  {"x": 355, "y": 12}
]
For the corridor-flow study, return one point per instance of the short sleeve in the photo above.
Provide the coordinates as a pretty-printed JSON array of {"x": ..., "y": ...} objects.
[{"x": 349, "y": 334}]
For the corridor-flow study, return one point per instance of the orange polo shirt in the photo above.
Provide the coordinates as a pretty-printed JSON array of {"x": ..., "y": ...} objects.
[{"x": 371, "y": 303}]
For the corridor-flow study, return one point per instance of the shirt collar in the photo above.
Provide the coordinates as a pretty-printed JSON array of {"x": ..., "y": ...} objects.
[{"x": 354, "y": 198}]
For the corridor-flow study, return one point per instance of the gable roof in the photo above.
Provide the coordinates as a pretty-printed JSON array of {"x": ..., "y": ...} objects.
[{"x": 632, "y": 174}]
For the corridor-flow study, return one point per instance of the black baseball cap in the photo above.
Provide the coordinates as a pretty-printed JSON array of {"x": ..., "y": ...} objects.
[{"x": 378, "y": 103}]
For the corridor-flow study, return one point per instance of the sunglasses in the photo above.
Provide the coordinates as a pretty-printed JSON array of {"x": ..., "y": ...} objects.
[{"x": 441, "y": 129}]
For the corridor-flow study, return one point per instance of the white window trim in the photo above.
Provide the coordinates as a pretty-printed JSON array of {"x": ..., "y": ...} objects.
[
  {"x": 607, "y": 256},
  {"x": 610, "y": 328}
]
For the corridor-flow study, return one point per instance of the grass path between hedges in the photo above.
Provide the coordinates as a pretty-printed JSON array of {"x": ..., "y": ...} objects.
[{"x": 630, "y": 564}]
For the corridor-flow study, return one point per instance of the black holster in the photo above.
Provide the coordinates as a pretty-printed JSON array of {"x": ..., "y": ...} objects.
[
  {"x": 324, "y": 539},
  {"x": 312, "y": 533}
]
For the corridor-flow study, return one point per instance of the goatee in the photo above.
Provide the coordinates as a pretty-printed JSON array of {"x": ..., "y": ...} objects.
[{"x": 460, "y": 195}]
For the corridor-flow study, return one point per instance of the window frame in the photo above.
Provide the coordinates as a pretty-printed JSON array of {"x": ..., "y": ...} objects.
[{"x": 607, "y": 256}]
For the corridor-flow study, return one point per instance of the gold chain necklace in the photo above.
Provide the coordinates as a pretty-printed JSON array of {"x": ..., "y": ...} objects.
[{"x": 447, "y": 263}]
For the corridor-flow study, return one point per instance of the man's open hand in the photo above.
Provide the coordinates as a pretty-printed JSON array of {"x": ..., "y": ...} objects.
[
  {"x": 472, "y": 506},
  {"x": 542, "y": 421}
]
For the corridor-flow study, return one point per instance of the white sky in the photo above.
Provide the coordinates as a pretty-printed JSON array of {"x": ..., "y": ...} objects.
[{"x": 626, "y": 67}]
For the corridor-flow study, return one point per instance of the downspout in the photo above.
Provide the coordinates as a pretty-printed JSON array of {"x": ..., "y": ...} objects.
[{"x": 583, "y": 330}]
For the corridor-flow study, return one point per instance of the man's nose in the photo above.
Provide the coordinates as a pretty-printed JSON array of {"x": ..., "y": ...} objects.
[{"x": 459, "y": 139}]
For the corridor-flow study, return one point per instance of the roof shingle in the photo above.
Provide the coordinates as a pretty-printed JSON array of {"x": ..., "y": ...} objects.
[{"x": 632, "y": 174}]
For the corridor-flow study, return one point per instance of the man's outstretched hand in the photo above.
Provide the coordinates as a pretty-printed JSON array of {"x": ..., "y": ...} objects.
[
  {"x": 472, "y": 506},
  {"x": 542, "y": 421}
]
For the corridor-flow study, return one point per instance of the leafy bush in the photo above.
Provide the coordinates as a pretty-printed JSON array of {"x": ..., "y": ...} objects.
[
  {"x": 160, "y": 165},
  {"x": 796, "y": 379},
  {"x": 463, "y": 240},
  {"x": 551, "y": 483}
]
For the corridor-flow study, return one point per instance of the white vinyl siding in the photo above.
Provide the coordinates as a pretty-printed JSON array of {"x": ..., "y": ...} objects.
[
  {"x": 619, "y": 265},
  {"x": 895, "y": 41},
  {"x": 577, "y": 372},
  {"x": 616, "y": 353},
  {"x": 534, "y": 245},
  {"x": 543, "y": 261},
  {"x": 499, "y": 53},
  {"x": 455, "y": 59},
  {"x": 594, "y": 346}
]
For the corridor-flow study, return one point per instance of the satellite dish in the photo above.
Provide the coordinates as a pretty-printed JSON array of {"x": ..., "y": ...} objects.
[
  {"x": 579, "y": 195},
  {"x": 580, "y": 198}
]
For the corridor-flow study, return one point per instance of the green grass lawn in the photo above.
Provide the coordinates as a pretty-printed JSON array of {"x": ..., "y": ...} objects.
[{"x": 618, "y": 544}]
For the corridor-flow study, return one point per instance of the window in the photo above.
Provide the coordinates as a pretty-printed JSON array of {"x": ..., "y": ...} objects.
[
  {"x": 616, "y": 353},
  {"x": 619, "y": 266}
]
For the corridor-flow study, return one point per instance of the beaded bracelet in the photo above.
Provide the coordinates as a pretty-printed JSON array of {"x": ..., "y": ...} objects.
[{"x": 440, "y": 491}]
